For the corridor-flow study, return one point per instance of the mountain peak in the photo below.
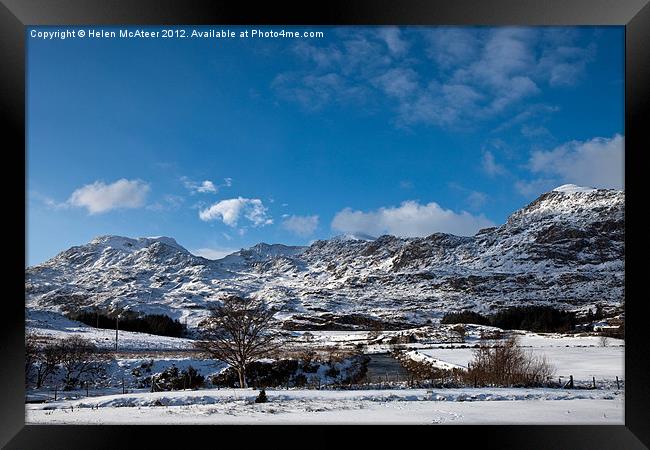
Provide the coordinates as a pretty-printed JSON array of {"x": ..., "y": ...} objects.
[
  {"x": 573, "y": 188},
  {"x": 131, "y": 244},
  {"x": 353, "y": 237}
]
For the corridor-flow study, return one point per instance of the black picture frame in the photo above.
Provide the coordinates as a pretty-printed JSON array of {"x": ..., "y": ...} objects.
[{"x": 15, "y": 15}]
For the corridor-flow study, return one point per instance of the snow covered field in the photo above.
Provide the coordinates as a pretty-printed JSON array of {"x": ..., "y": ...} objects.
[
  {"x": 143, "y": 355},
  {"x": 604, "y": 363},
  {"x": 407, "y": 406},
  {"x": 54, "y": 325}
]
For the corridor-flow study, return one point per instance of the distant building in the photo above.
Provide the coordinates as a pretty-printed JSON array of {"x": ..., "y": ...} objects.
[{"x": 605, "y": 326}]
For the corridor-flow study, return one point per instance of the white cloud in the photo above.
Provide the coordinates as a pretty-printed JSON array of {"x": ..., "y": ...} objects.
[
  {"x": 230, "y": 212},
  {"x": 213, "y": 253},
  {"x": 314, "y": 91},
  {"x": 392, "y": 36},
  {"x": 476, "y": 199},
  {"x": 49, "y": 202},
  {"x": 562, "y": 62},
  {"x": 409, "y": 219},
  {"x": 478, "y": 73},
  {"x": 169, "y": 202},
  {"x": 397, "y": 82},
  {"x": 205, "y": 186},
  {"x": 598, "y": 162},
  {"x": 490, "y": 166},
  {"x": 535, "y": 132},
  {"x": 324, "y": 57},
  {"x": 451, "y": 46},
  {"x": 100, "y": 197},
  {"x": 535, "y": 187},
  {"x": 301, "y": 225}
]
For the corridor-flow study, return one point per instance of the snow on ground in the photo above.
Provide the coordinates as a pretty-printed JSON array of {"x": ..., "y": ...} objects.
[
  {"x": 331, "y": 337},
  {"x": 135, "y": 369},
  {"x": 434, "y": 361},
  {"x": 127, "y": 340},
  {"x": 580, "y": 356},
  {"x": 529, "y": 339},
  {"x": 54, "y": 325},
  {"x": 414, "y": 406},
  {"x": 582, "y": 363},
  {"x": 572, "y": 189},
  {"x": 133, "y": 372}
]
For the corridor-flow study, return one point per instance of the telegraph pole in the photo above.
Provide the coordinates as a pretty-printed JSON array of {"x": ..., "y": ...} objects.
[{"x": 117, "y": 326}]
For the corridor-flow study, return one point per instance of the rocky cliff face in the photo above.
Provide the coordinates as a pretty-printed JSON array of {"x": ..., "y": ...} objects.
[{"x": 566, "y": 248}]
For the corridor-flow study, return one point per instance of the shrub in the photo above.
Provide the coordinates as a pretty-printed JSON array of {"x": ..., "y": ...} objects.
[
  {"x": 292, "y": 372},
  {"x": 259, "y": 373},
  {"x": 261, "y": 398},
  {"x": 491, "y": 334},
  {"x": 460, "y": 329},
  {"x": 172, "y": 379},
  {"x": 332, "y": 372},
  {"x": 507, "y": 364},
  {"x": 300, "y": 380}
]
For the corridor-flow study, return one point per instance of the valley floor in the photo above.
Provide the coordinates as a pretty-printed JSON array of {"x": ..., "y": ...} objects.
[
  {"x": 398, "y": 406},
  {"x": 583, "y": 357}
]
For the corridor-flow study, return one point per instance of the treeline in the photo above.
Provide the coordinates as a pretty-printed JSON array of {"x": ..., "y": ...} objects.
[
  {"x": 75, "y": 359},
  {"x": 532, "y": 318},
  {"x": 158, "y": 324}
]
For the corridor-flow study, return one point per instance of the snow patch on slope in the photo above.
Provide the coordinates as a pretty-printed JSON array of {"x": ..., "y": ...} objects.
[{"x": 572, "y": 189}]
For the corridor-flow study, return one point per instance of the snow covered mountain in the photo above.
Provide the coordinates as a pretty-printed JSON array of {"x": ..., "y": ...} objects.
[{"x": 566, "y": 248}]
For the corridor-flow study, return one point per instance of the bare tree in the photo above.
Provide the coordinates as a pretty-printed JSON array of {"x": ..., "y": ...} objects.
[
  {"x": 374, "y": 333},
  {"x": 604, "y": 340},
  {"x": 239, "y": 332},
  {"x": 461, "y": 330},
  {"x": 31, "y": 350},
  {"x": 79, "y": 358},
  {"x": 41, "y": 360}
]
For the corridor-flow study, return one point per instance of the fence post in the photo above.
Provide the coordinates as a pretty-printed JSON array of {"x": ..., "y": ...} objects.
[
  {"x": 618, "y": 386},
  {"x": 594, "y": 380},
  {"x": 86, "y": 388},
  {"x": 55, "y": 389},
  {"x": 570, "y": 381}
]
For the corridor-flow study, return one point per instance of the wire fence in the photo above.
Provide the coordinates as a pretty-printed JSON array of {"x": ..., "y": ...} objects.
[{"x": 385, "y": 382}]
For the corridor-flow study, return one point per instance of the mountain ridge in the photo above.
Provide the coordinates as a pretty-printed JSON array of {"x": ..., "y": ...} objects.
[{"x": 565, "y": 248}]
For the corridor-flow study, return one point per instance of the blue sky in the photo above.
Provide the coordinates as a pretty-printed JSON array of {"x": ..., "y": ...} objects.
[{"x": 222, "y": 144}]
